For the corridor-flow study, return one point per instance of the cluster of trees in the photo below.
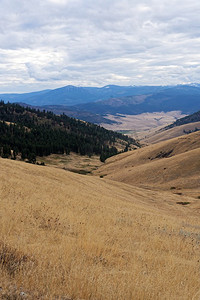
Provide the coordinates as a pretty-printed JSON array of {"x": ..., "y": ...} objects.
[
  {"x": 30, "y": 133},
  {"x": 190, "y": 131},
  {"x": 195, "y": 117}
]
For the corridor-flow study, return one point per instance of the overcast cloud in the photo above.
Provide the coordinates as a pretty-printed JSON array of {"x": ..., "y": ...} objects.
[{"x": 52, "y": 43}]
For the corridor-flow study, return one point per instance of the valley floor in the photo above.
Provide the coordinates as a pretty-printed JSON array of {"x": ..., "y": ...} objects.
[
  {"x": 142, "y": 125},
  {"x": 68, "y": 236}
]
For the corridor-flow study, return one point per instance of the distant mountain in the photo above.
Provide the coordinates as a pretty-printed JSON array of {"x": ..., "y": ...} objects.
[
  {"x": 92, "y": 103},
  {"x": 72, "y": 95},
  {"x": 185, "y": 98},
  {"x": 22, "y": 97}
]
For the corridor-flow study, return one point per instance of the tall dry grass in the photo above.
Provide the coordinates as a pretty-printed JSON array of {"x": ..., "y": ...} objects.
[
  {"x": 172, "y": 163},
  {"x": 67, "y": 236}
]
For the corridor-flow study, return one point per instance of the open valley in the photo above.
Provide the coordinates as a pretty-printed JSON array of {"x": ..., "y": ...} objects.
[
  {"x": 110, "y": 236},
  {"x": 99, "y": 150},
  {"x": 142, "y": 125}
]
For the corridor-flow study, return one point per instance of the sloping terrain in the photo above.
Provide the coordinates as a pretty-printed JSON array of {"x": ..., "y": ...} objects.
[
  {"x": 186, "y": 120},
  {"x": 168, "y": 164},
  {"x": 139, "y": 126},
  {"x": 29, "y": 133},
  {"x": 68, "y": 236},
  {"x": 184, "y": 125},
  {"x": 184, "y": 98},
  {"x": 71, "y": 112},
  {"x": 163, "y": 134}
]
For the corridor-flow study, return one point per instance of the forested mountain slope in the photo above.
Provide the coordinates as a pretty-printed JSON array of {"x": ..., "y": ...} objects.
[{"x": 29, "y": 133}]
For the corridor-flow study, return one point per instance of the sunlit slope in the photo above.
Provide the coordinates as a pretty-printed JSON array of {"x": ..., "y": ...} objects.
[
  {"x": 69, "y": 236},
  {"x": 170, "y": 133},
  {"x": 171, "y": 163}
]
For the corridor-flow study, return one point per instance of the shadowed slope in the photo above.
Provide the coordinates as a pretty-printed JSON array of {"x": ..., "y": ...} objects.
[{"x": 63, "y": 235}]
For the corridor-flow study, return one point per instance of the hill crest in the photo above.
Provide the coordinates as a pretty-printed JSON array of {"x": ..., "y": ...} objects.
[{"x": 174, "y": 162}]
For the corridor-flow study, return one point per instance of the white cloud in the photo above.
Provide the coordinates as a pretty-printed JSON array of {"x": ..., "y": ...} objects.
[{"x": 52, "y": 43}]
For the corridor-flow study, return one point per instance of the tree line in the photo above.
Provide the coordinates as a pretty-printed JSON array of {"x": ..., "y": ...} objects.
[{"x": 28, "y": 133}]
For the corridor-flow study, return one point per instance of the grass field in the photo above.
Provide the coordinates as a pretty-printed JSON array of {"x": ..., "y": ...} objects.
[
  {"x": 142, "y": 125},
  {"x": 68, "y": 236},
  {"x": 73, "y": 162},
  {"x": 173, "y": 163},
  {"x": 170, "y": 133}
]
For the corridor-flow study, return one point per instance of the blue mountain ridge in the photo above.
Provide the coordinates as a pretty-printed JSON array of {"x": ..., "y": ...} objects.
[{"x": 89, "y": 103}]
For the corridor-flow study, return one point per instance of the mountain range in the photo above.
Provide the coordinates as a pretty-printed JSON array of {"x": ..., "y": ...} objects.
[
  {"x": 184, "y": 98},
  {"x": 71, "y": 95},
  {"x": 93, "y": 104}
]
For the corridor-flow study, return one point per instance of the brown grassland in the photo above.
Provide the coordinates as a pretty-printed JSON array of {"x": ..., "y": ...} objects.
[
  {"x": 74, "y": 162},
  {"x": 168, "y": 164},
  {"x": 68, "y": 236},
  {"x": 159, "y": 136},
  {"x": 142, "y": 125}
]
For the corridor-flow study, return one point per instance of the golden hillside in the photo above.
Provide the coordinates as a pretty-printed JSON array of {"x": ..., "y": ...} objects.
[
  {"x": 156, "y": 137},
  {"x": 69, "y": 236},
  {"x": 168, "y": 164}
]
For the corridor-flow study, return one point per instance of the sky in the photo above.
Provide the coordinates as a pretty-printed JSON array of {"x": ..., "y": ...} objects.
[{"x": 46, "y": 44}]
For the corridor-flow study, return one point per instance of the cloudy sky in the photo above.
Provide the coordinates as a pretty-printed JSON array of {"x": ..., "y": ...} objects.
[{"x": 52, "y": 43}]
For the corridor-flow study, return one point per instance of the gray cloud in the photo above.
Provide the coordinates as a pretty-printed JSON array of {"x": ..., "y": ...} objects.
[{"x": 50, "y": 43}]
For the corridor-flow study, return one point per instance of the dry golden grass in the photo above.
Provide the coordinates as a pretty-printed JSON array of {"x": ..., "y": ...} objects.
[
  {"x": 64, "y": 235},
  {"x": 156, "y": 137},
  {"x": 139, "y": 126},
  {"x": 173, "y": 163},
  {"x": 73, "y": 162},
  {"x": 142, "y": 122}
]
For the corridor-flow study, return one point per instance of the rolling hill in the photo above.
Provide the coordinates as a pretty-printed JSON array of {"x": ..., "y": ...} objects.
[
  {"x": 181, "y": 126},
  {"x": 67, "y": 236},
  {"x": 170, "y": 164},
  {"x": 193, "y": 118},
  {"x": 170, "y": 132}
]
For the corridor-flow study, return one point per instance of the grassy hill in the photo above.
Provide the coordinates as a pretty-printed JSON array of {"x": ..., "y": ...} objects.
[
  {"x": 171, "y": 132},
  {"x": 185, "y": 125},
  {"x": 172, "y": 163},
  {"x": 67, "y": 236},
  {"x": 186, "y": 120}
]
